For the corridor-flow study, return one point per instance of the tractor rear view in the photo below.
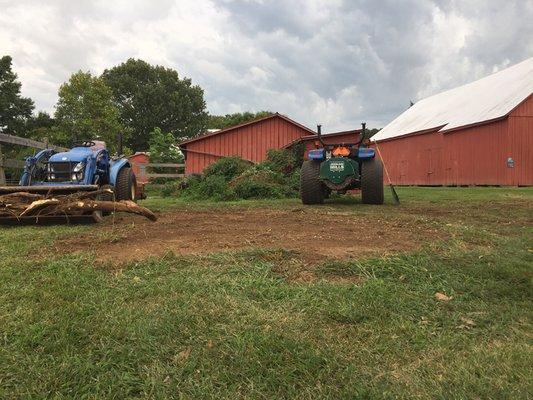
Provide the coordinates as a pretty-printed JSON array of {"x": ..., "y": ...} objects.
[{"x": 342, "y": 167}]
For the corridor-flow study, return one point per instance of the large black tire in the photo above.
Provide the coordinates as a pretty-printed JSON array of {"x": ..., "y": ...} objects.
[
  {"x": 311, "y": 188},
  {"x": 372, "y": 181},
  {"x": 126, "y": 185},
  {"x": 106, "y": 197}
]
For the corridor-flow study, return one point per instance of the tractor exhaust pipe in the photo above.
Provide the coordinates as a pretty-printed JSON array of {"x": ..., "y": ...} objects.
[
  {"x": 363, "y": 134},
  {"x": 319, "y": 134},
  {"x": 120, "y": 147}
]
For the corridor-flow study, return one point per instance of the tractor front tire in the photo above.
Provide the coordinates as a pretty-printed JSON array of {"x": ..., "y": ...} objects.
[
  {"x": 311, "y": 188},
  {"x": 372, "y": 181},
  {"x": 106, "y": 196},
  {"x": 126, "y": 185}
]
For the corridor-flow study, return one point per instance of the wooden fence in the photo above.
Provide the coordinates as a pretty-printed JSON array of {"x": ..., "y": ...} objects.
[
  {"x": 19, "y": 164},
  {"x": 150, "y": 175},
  {"x": 145, "y": 174}
]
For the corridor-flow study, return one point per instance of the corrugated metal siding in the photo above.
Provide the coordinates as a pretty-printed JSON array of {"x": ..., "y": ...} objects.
[
  {"x": 251, "y": 142},
  {"x": 473, "y": 156},
  {"x": 520, "y": 128},
  {"x": 524, "y": 109}
]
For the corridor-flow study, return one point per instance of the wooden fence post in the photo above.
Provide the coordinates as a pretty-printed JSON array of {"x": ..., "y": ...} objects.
[{"x": 2, "y": 171}]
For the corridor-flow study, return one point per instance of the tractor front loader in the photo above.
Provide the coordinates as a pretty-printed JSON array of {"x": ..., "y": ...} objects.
[{"x": 67, "y": 184}]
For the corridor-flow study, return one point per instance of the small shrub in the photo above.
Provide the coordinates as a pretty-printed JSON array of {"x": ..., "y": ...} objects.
[
  {"x": 292, "y": 184},
  {"x": 249, "y": 188},
  {"x": 259, "y": 173},
  {"x": 191, "y": 181},
  {"x": 227, "y": 167},
  {"x": 281, "y": 161},
  {"x": 212, "y": 187},
  {"x": 171, "y": 188}
]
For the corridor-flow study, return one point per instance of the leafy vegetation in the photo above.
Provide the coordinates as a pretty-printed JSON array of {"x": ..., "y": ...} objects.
[
  {"x": 163, "y": 148},
  {"x": 237, "y": 325},
  {"x": 228, "y": 120},
  {"x": 150, "y": 97},
  {"x": 85, "y": 111},
  {"x": 235, "y": 178},
  {"x": 14, "y": 109}
]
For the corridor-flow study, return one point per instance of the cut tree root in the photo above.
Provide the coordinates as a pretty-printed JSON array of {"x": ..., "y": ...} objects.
[{"x": 22, "y": 204}]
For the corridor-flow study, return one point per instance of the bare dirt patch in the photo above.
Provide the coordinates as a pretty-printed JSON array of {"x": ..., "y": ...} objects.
[{"x": 312, "y": 233}]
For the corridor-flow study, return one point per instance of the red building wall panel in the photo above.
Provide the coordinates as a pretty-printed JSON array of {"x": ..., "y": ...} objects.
[
  {"x": 477, "y": 155},
  {"x": 138, "y": 165},
  {"x": 348, "y": 137},
  {"x": 251, "y": 142},
  {"x": 524, "y": 109}
]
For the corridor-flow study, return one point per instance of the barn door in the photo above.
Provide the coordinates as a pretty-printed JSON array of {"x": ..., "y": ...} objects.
[
  {"x": 402, "y": 169},
  {"x": 451, "y": 169},
  {"x": 434, "y": 170}
]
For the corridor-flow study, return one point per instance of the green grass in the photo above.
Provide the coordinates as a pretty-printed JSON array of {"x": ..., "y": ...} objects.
[{"x": 236, "y": 325}]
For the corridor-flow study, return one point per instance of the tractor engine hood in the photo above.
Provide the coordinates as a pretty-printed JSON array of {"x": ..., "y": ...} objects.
[{"x": 77, "y": 154}]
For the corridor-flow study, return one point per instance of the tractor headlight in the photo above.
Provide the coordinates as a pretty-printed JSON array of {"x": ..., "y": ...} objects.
[
  {"x": 79, "y": 166},
  {"x": 77, "y": 172}
]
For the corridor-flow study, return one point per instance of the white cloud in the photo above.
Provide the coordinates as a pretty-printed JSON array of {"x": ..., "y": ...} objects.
[{"x": 334, "y": 62}]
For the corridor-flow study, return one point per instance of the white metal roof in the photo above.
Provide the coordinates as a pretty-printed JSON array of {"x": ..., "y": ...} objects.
[{"x": 485, "y": 99}]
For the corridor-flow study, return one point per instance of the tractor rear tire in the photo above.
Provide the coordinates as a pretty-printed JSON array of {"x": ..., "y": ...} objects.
[
  {"x": 372, "y": 181},
  {"x": 311, "y": 188},
  {"x": 126, "y": 185}
]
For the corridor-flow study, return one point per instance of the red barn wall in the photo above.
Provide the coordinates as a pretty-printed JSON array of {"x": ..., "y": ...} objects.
[
  {"x": 470, "y": 156},
  {"x": 251, "y": 142},
  {"x": 348, "y": 137},
  {"x": 520, "y": 145},
  {"x": 138, "y": 165}
]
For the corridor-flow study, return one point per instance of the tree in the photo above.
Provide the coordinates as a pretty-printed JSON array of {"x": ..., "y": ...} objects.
[
  {"x": 86, "y": 111},
  {"x": 40, "y": 126},
  {"x": 228, "y": 120},
  {"x": 163, "y": 148},
  {"x": 154, "y": 96},
  {"x": 14, "y": 109}
]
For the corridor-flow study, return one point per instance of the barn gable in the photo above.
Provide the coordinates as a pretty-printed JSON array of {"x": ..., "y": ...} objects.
[
  {"x": 250, "y": 141},
  {"x": 484, "y": 100},
  {"x": 495, "y": 149}
]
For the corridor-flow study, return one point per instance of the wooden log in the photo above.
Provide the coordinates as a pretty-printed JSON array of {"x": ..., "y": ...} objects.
[
  {"x": 22, "y": 204},
  {"x": 36, "y": 205},
  {"x": 109, "y": 206}
]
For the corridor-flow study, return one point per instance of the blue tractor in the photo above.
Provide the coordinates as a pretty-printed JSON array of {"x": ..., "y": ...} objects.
[{"x": 88, "y": 166}]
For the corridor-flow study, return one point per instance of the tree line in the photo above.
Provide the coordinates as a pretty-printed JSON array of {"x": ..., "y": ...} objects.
[{"x": 147, "y": 104}]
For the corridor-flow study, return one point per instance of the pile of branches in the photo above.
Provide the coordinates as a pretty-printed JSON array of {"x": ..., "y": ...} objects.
[{"x": 23, "y": 204}]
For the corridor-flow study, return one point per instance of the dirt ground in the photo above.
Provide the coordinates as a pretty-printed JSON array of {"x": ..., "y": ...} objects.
[{"x": 314, "y": 234}]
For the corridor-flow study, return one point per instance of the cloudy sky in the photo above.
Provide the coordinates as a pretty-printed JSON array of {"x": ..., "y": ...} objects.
[{"x": 330, "y": 61}]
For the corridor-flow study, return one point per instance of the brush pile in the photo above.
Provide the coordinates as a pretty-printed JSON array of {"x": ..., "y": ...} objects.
[{"x": 22, "y": 205}]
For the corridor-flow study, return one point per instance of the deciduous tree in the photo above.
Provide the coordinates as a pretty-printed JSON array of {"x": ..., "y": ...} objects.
[
  {"x": 154, "y": 96},
  {"x": 14, "y": 109},
  {"x": 85, "y": 111},
  {"x": 228, "y": 120}
]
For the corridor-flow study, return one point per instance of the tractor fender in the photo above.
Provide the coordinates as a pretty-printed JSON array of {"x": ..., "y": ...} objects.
[{"x": 115, "y": 167}]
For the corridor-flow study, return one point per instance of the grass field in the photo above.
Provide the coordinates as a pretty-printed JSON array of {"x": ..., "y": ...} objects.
[{"x": 237, "y": 324}]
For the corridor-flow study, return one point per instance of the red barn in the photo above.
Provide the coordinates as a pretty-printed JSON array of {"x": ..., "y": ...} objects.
[
  {"x": 477, "y": 134},
  {"x": 138, "y": 163},
  {"x": 310, "y": 141},
  {"x": 250, "y": 141}
]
